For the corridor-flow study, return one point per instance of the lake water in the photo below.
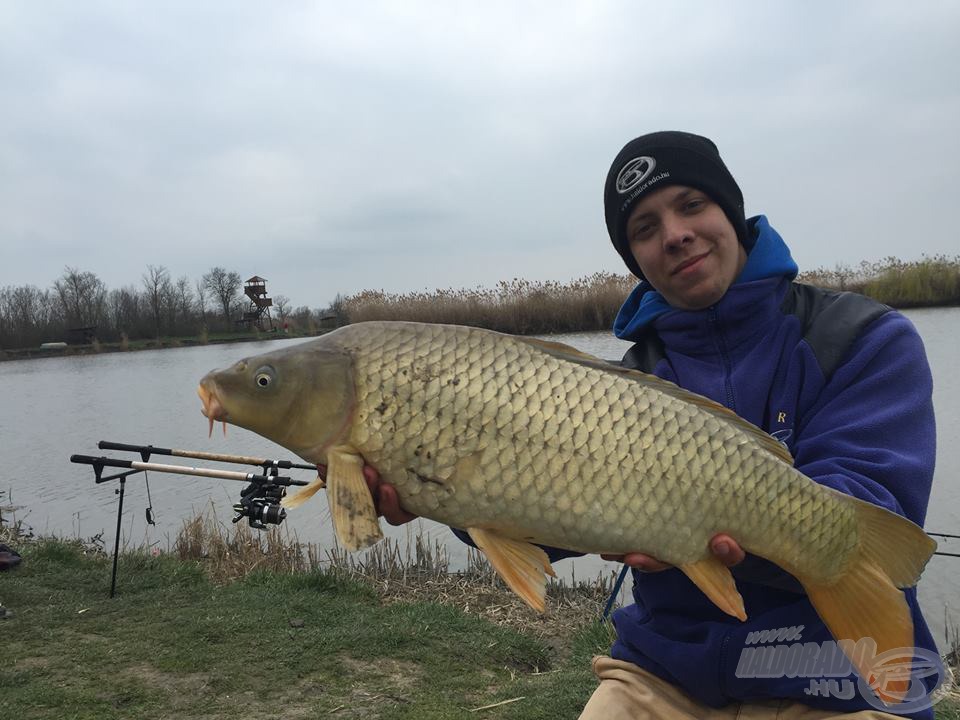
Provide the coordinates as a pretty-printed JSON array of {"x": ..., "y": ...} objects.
[{"x": 52, "y": 408}]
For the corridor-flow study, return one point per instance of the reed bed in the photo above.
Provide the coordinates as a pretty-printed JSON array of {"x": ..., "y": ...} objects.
[
  {"x": 930, "y": 281},
  {"x": 520, "y": 307},
  {"x": 524, "y": 307}
]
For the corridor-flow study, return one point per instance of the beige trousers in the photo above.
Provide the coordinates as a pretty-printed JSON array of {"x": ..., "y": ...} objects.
[{"x": 628, "y": 693}]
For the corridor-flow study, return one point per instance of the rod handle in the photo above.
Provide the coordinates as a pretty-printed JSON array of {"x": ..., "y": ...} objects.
[{"x": 107, "y": 445}]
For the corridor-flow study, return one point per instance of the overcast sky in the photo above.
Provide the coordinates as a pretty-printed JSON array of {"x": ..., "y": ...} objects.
[{"x": 408, "y": 145}]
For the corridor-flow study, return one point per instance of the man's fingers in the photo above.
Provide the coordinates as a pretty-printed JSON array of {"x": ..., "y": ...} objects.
[
  {"x": 727, "y": 549},
  {"x": 389, "y": 506},
  {"x": 724, "y": 547},
  {"x": 640, "y": 561},
  {"x": 385, "y": 498}
]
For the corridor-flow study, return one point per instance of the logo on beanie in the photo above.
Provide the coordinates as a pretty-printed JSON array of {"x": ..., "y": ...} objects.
[{"x": 634, "y": 173}]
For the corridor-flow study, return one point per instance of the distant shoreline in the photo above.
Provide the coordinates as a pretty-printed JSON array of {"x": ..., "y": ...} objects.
[
  {"x": 517, "y": 307},
  {"x": 37, "y": 353}
]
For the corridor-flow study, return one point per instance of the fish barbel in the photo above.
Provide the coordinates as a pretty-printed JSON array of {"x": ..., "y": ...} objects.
[{"x": 524, "y": 442}]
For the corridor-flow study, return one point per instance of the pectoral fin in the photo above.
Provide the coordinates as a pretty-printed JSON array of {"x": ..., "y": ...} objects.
[
  {"x": 716, "y": 582},
  {"x": 522, "y": 565},
  {"x": 308, "y": 491},
  {"x": 351, "y": 506}
]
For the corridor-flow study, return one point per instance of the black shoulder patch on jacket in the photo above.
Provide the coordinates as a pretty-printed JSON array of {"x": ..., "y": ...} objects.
[
  {"x": 830, "y": 321},
  {"x": 645, "y": 353}
]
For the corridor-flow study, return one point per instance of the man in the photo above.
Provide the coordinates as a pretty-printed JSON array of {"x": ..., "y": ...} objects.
[{"x": 843, "y": 382}]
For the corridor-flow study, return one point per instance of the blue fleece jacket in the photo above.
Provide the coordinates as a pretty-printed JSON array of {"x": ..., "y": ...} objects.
[{"x": 867, "y": 430}]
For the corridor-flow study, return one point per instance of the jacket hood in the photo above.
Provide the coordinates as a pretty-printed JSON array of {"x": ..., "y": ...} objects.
[{"x": 769, "y": 257}]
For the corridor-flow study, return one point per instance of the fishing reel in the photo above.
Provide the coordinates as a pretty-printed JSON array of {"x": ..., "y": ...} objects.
[{"x": 260, "y": 503}]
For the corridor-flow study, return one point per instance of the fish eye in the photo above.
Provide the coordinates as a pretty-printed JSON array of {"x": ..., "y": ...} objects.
[{"x": 264, "y": 376}]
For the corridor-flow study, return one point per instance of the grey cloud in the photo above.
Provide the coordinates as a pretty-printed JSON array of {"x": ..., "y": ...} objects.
[{"x": 332, "y": 148}]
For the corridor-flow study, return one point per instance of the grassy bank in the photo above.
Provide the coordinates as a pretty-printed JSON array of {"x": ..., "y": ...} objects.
[
  {"x": 232, "y": 623},
  {"x": 223, "y": 635}
]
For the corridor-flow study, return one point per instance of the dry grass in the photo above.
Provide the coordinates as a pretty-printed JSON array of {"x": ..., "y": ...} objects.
[
  {"x": 422, "y": 573},
  {"x": 929, "y": 281},
  {"x": 519, "y": 306},
  {"x": 415, "y": 571},
  {"x": 523, "y": 307},
  {"x": 231, "y": 552},
  {"x": 12, "y": 530}
]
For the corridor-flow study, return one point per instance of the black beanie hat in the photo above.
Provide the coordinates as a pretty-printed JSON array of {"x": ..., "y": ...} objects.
[{"x": 654, "y": 161}]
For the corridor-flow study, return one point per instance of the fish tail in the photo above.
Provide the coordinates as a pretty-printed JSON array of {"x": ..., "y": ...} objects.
[{"x": 864, "y": 603}]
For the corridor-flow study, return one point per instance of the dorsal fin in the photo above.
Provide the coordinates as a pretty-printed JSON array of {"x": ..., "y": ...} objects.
[{"x": 565, "y": 352}]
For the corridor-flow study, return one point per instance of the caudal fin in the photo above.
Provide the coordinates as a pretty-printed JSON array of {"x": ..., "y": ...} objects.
[{"x": 865, "y": 601}]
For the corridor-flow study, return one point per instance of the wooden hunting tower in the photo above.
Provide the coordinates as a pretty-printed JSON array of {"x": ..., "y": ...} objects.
[{"x": 259, "y": 308}]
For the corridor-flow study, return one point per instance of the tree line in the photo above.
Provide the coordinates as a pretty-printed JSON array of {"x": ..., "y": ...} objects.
[
  {"x": 159, "y": 306},
  {"x": 163, "y": 307}
]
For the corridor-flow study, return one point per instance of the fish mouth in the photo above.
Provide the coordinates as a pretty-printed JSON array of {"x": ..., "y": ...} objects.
[{"x": 212, "y": 408}]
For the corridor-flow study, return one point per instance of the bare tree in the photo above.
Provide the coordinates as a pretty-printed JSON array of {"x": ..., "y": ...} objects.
[
  {"x": 25, "y": 314},
  {"x": 339, "y": 308},
  {"x": 156, "y": 285},
  {"x": 224, "y": 286},
  {"x": 183, "y": 301},
  {"x": 202, "y": 302},
  {"x": 282, "y": 304},
  {"x": 82, "y": 297},
  {"x": 123, "y": 308}
]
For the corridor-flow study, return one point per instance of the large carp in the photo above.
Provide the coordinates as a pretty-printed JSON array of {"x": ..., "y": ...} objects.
[{"x": 521, "y": 441}]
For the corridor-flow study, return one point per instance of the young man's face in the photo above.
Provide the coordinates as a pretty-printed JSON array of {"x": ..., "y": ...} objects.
[{"x": 685, "y": 245}]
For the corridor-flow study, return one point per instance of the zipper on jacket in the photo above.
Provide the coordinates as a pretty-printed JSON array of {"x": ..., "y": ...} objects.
[{"x": 714, "y": 323}]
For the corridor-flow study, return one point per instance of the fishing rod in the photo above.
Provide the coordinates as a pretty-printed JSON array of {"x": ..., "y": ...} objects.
[
  {"x": 99, "y": 463},
  {"x": 147, "y": 450},
  {"x": 946, "y": 535},
  {"x": 246, "y": 508},
  {"x": 259, "y": 500}
]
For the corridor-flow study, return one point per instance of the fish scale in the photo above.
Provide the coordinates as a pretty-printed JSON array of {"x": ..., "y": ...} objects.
[
  {"x": 518, "y": 441},
  {"x": 596, "y": 485}
]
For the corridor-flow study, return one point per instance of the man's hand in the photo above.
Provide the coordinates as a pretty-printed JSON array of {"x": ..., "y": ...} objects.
[
  {"x": 724, "y": 547},
  {"x": 384, "y": 495}
]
